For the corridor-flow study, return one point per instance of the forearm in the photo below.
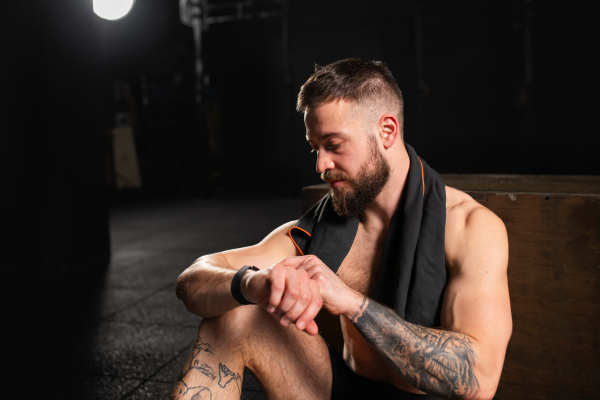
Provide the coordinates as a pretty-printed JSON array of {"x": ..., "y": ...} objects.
[
  {"x": 438, "y": 362},
  {"x": 205, "y": 287}
]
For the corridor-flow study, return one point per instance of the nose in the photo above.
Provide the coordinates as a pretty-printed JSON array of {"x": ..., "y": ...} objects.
[{"x": 324, "y": 162}]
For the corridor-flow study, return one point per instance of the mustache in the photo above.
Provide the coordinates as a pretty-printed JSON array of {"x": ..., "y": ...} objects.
[{"x": 331, "y": 175}]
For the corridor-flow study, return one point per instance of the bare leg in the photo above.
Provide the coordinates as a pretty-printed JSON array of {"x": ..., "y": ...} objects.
[{"x": 289, "y": 364}]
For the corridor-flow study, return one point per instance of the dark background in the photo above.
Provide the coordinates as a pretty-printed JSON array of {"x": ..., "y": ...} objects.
[{"x": 469, "y": 108}]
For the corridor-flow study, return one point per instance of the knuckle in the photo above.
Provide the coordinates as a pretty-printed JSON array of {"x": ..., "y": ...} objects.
[{"x": 286, "y": 261}]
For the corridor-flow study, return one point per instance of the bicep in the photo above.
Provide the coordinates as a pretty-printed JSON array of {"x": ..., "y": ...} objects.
[
  {"x": 273, "y": 248},
  {"x": 476, "y": 300}
]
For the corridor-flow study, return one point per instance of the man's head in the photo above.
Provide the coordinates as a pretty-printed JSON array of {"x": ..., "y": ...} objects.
[
  {"x": 353, "y": 114},
  {"x": 369, "y": 85}
]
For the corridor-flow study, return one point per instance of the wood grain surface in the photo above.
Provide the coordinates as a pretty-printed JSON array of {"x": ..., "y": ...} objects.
[{"x": 553, "y": 226}]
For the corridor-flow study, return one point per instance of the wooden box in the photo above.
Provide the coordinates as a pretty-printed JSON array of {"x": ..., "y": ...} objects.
[{"x": 553, "y": 225}]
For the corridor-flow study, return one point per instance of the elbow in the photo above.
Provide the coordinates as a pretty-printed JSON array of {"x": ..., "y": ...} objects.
[
  {"x": 181, "y": 288},
  {"x": 487, "y": 387},
  {"x": 188, "y": 290},
  {"x": 184, "y": 291},
  {"x": 486, "y": 393},
  {"x": 186, "y": 280}
]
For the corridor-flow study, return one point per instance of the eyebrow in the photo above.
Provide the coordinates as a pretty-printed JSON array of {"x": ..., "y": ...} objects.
[{"x": 325, "y": 136}]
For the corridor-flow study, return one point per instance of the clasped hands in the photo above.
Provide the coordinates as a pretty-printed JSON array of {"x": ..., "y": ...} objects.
[{"x": 295, "y": 289}]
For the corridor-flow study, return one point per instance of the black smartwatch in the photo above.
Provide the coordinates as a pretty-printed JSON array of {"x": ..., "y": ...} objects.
[{"x": 236, "y": 284}]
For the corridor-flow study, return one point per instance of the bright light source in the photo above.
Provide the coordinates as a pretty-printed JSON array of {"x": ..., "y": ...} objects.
[{"x": 112, "y": 9}]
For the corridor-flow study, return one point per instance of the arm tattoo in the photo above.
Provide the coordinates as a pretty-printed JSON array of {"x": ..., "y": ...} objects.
[
  {"x": 362, "y": 307},
  {"x": 437, "y": 362}
]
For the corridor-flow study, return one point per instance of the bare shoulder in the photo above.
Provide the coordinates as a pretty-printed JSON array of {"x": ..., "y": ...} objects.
[
  {"x": 280, "y": 233},
  {"x": 273, "y": 248},
  {"x": 471, "y": 230}
]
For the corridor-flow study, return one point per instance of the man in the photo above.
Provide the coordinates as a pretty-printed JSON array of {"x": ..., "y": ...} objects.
[{"x": 396, "y": 233}]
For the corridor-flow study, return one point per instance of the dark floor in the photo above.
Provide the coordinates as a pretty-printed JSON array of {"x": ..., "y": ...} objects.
[{"x": 134, "y": 336}]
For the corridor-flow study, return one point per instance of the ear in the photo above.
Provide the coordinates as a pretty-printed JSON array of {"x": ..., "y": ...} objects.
[{"x": 389, "y": 130}]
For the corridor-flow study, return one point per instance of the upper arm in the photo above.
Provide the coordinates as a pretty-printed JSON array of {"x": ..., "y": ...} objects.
[
  {"x": 273, "y": 248},
  {"x": 476, "y": 300}
]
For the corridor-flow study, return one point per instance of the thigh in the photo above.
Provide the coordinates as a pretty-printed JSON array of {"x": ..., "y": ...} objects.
[{"x": 288, "y": 363}]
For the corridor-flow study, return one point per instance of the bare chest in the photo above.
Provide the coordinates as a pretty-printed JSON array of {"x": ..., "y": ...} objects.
[
  {"x": 360, "y": 267},
  {"x": 359, "y": 271}
]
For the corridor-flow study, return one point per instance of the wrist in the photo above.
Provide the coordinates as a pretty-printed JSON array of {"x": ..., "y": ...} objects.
[
  {"x": 357, "y": 303},
  {"x": 245, "y": 286},
  {"x": 236, "y": 285}
]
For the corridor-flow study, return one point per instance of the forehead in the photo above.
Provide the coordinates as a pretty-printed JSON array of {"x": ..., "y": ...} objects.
[{"x": 333, "y": 117}]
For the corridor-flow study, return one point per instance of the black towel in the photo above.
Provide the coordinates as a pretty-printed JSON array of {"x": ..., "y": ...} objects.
[{"x": 412, "y": 274}]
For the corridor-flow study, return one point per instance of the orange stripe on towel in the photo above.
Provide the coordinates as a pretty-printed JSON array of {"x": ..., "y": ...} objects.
[
  {"x": 422, "y": 175},
  {"x": 290, "y": 235}
]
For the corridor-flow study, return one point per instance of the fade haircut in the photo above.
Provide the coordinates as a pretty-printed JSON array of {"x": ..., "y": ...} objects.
[{"x": 368, "y": 84}]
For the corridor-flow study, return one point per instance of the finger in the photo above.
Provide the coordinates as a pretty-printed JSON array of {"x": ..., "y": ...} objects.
[
  {"x": 313, "y": 268},
  {"x": 294, "y": 261},
  {"x": 292, "y": 291},
  {"x": 311, "y": 311},
  {"x": 304, "y": 299},
  {"x": 278, "y": 280},
  {"x": 312, "y": 328},
  {"x": 298, "y": 261},
  {"x": 306, "y": 264}
]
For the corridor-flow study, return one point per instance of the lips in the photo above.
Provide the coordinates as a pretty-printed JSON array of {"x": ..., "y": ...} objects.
[{"x": 334, "y": 184}]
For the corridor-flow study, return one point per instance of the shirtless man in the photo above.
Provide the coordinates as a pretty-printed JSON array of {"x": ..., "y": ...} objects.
[{"x": 278, "y": 339}]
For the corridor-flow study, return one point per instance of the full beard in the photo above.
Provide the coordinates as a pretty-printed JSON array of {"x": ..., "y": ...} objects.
[{"x": 373, "y": 176}]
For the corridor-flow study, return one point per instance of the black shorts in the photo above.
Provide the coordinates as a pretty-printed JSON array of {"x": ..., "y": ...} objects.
[{"x": 348, "y": 385}]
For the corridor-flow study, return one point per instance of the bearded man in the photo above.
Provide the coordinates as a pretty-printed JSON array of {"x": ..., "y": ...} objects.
[{"x": 416, "y": 271}]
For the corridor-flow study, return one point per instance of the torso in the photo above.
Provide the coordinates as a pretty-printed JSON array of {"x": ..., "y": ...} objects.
[{"x": 359, "y": 271}]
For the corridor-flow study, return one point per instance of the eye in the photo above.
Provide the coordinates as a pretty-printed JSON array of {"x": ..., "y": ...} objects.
[{"x": 332, "y": 147}]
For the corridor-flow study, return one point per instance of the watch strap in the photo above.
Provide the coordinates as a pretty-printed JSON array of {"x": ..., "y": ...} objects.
[{"x": 236, "y": 284}]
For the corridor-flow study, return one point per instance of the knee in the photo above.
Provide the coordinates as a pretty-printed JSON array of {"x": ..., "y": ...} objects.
[
  {"x": 247, "y": 331},
  {"x": 235, "y": 326}
]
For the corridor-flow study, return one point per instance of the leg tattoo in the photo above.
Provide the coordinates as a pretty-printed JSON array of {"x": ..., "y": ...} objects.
[
  {"x": 187, "y": 386},
  {"x": 226, "y": 376},
  {"x": 197, "y": 392}
]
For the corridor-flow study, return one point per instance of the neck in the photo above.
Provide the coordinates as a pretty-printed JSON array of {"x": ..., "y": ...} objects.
[{"x": 380, "y": 212}]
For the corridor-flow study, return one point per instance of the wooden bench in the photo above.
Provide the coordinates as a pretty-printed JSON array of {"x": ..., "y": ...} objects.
[{"x": 553, "y": 225}]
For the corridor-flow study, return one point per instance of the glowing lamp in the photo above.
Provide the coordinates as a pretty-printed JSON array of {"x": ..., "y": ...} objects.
[{"x": 112, "y": 9}]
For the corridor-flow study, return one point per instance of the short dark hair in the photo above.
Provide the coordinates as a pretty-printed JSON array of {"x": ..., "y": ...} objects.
[{"x": 356, "y": 80}]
